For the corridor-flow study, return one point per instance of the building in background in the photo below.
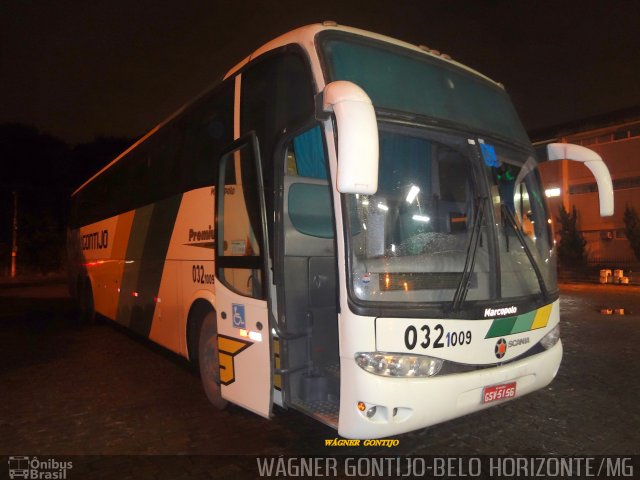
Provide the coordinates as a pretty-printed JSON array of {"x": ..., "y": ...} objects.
[{"x": 616, "y": 138}]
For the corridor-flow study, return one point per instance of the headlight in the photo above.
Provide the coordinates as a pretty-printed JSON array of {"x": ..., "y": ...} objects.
[
  {"x": 551, "y": 338},
  {"x": 396, "y": 365}
]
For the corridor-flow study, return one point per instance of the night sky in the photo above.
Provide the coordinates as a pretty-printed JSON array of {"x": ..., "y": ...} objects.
[{"x": 79, "y": 69}]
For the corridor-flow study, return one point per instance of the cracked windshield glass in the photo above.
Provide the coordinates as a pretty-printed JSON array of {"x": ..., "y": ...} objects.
[{"x": 427, "y": 226}]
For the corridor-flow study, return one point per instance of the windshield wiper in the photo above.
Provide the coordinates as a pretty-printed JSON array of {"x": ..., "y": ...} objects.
[
  {"x": 508, "y": 214},
  {"x": 470, "y": 260}
]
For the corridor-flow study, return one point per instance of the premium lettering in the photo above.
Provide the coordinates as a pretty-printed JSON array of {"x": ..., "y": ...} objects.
[{"x": 199, "y": 235}]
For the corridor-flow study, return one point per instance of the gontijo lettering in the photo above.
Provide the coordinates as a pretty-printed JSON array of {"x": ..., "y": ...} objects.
[
  {"x": 379, "y": 442},
  {"x": 95, "y": 240}
]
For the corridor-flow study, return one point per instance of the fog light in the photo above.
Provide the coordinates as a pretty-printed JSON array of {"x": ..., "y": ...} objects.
[
  {"x": 371, "y": 412},
  {"x": 551, "y": 338}
]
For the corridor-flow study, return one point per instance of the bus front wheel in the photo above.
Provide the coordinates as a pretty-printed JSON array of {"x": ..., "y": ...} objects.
[
  {"x": 86, "y": 312},
  {"x": 208, "y": 361}
]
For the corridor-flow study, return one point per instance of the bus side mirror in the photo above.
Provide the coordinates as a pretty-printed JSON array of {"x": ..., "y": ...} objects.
[
  {"x": 357, "y": 137},
  {"x": 593, "y": 161}
]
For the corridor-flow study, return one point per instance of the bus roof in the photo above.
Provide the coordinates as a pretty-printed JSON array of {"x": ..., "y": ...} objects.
[{"x": 303, "y": 36}]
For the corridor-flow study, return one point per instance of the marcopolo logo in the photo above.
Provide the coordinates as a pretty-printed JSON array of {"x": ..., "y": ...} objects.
[
  {"x": 498, "y": 312},
  {"x": 33, "y": 468}
]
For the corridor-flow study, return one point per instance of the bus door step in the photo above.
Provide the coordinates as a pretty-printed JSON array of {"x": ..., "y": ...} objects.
[{"x": 326, "y": 411}]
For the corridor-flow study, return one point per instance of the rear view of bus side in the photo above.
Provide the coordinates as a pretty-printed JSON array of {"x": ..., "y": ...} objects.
[{"x": 346, "y": 225}]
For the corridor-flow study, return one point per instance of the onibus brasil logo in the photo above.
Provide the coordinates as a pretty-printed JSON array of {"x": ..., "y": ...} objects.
[{"x": 32, "y": 468}]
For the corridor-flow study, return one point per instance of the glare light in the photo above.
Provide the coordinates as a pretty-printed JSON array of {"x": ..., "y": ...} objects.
[
  {"x": 255, "y": 336},
  {"x": 421, "y": 218},
  {"x": 243, "y": 333},
  {"x": 413, "y": 193},
  {"x": 393, "y": 247},
  {"x": 365, "y": 202},
  {"x": 397, "y": 365},
  {"x": 551, "y": 338},
  {"x": 552, "y": 192},
  {"x": 383, "y": 207}
]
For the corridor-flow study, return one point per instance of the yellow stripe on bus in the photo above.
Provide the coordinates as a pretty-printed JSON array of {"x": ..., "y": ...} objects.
[{"x": 542, "y": 317}]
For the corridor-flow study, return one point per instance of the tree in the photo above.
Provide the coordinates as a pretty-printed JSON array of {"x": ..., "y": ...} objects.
[
  {"x": 632, "y": 229},
  {"x": 43, "y": 170},
  {"x": 571, "y": 248}
]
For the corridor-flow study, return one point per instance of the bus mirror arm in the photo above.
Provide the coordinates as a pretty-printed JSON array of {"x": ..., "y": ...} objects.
[
  {"x": 357, "y": 132},
  {"x": 593, "y": 161}
]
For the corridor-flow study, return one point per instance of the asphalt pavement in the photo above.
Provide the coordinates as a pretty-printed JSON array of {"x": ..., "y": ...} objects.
[{"x": 68, "y": 389}]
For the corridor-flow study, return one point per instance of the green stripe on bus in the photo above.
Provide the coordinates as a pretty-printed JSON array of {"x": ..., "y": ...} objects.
[
  {"x": 128, "y": 288},
  {"x": 144, "y": 262},
  {"x": 156, "y": 244},
  {"x": 524, "y": 322},
  {"x": 501, "y": 326}
]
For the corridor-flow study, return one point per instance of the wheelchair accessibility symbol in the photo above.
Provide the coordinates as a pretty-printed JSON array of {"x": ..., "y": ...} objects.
[{"x": 238, "y": 316}]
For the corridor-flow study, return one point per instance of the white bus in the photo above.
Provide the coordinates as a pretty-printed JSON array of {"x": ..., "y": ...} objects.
[{"x": 347, "y": 225}]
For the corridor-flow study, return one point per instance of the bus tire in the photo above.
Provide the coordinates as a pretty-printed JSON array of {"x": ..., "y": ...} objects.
[
  {"x": 86, "y": 309},
  {"x": 209, "y": 362}
]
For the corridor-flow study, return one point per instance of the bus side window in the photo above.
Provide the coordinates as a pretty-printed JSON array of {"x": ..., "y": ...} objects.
[
  {"x": 309, "y": 196},
  {"x": 305, "y": 157},
  {"x": 239, "y": 223},
  {"x": 207, "y": 132},
  {"x": 277, "y": 96}
]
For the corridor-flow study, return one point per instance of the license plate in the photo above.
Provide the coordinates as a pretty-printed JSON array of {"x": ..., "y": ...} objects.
[{"x": 498, "y": 392}]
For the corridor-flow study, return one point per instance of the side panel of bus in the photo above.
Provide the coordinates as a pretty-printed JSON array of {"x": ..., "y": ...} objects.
[
  {"x": 141, "y": 240},
  {"x": 147, "y": 266}
]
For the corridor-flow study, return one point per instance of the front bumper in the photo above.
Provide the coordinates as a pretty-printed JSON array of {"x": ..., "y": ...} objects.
[{"x": 406, "y": 404}]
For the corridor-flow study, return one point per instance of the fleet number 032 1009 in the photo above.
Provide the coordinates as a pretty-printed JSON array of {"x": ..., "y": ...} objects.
[{"x": 426, "y": 337}]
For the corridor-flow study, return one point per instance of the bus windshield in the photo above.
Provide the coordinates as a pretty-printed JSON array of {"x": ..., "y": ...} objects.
[
  {"x": 459, "y": 215},
  {"x": 402, "y": 80},
  {"x": 449, "y": 204}
]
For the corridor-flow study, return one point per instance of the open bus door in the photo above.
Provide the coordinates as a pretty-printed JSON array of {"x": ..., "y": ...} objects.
[{"x": 244, "y": 338}]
